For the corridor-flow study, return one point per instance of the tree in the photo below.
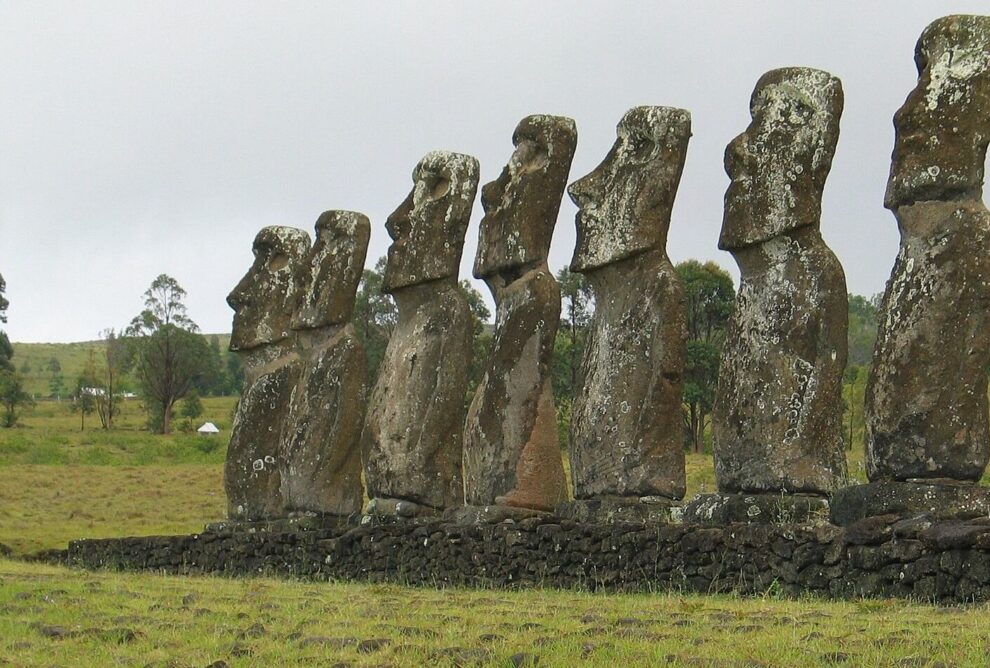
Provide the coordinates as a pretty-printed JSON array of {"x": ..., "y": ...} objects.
[
  {"x": 375, "y": 316},
  {"x": 6, "y": 350},
  {"x": 212, "y": 379},
  {"x": 192, "y": 407},
  {"x": 481, "y": 336},
  {"x": 12, "y": 396},
  {"x": 577, "y": 308},
  {"x": 235, "y": 374},
  {"x": 169, "y": 355},
  {"x": 862, "y": 329},
  {"x": 116, "y": 361},
  {"x": 56, "y": 386},
  {"x": 3, "y": 300},
  {"x": 87, "y": 390},
  {"x": 710, "y": 300}
]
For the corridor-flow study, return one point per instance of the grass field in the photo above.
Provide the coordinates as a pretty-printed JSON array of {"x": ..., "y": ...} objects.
[{"x": 58, "y": 483}]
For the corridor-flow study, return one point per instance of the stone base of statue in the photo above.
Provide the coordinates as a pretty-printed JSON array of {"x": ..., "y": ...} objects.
[
  {"x": 756, "y": 509},
  {"x": 490, "y": 514},
  {"x": 300, "y": 522},
  {"x": 937, "y": 498},
  {"x": 620, "y": 509},
  {"x": 398, "y": 509}
]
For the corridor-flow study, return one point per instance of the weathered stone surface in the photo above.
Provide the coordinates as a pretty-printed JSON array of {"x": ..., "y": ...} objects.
[
  {"x": 626, "y": 437},
  {"x": 757, "y": 509},
  {"x": 412, "y": 439},
  {"x": 490, "y": 514},
  {"x": 307, "y": 522},
  {"x": 321, "y": 451},
  {"x": 778, "y": 410},
  {"x": 926, "y": 396},
  {"x": 938, "y": 499},
  {"x": 620, "y": 509},
  {"x": 262, "y": 304},
  {"x": 511, "y": 453}
]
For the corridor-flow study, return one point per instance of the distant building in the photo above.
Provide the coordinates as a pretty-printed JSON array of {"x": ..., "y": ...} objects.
[{"x": 208, "y": 428}]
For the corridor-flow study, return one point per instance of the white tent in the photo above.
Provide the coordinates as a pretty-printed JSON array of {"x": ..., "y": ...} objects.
[{"x": 208, "y": 428}]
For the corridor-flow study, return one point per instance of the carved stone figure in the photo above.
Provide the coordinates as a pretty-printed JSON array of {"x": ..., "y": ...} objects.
[
  {"x": 511, "y": 453},
  {"x": 412, "y": 439},
  {"x": 321, "y": 454},
  {"x": 261, "y": 335},
  {"x": 926, "y": 397},
  {"x": 626, "y": 438},
  {"x": 777, "y": 420}
]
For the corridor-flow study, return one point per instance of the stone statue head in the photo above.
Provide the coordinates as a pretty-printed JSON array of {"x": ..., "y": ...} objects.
[
  {"x": 624, "y": 205},
  {"x": 428, "y": 228},
  {"x": 521, "y": 205},
  {"x": 943, "y": 127},
  {"x": 263, "y": 300},
  {"x": 778, "y": 166},
  {"x": 333, "y": 270}
]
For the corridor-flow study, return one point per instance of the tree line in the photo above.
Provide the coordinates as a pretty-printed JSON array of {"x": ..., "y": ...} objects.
[{"x": 162, "y": 354}]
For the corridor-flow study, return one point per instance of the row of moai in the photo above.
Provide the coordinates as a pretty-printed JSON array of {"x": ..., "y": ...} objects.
[{"x": 305, "y": 434}]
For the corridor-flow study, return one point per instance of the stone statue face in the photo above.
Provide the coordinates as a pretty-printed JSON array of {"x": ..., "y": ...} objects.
[
  {"x": 624, "y": 204},
  {"x": 779, "y": 164},
  {"x": 262, "y": 301},
  {"x": 521, "y": 205},
  {"x": 428, "y": 228},
  {"x": 332, "y": 270},
  {"x": 943, "y": 127}
]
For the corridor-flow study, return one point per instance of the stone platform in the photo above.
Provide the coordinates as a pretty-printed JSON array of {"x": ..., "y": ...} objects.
[
  {"x": 921, "y": 558},
  {"x": 757, "y": 509},
  {"x": 939, "y": 498}
]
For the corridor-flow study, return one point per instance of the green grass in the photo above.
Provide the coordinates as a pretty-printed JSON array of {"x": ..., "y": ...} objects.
[
  {"x": 55, "y": 615},
  {"x": 49, "y": 433},
  {"x": 59, "y": 483}
]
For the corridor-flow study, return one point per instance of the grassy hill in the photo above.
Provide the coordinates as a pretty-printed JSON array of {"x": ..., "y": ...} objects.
[{"x": 33, "y": 360}]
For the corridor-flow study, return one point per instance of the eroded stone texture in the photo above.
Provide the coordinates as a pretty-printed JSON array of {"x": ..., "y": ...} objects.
[
  {"x": 261, "y": 334},
  {"x": 778, "y": 413},
  {"x": 926, "y": 396},
  {"x": 511, "y": 453},
  {"x": 625, "y": 438},
  {"x": 321, "y": 453},
  {"x": 412, "y": 439}
]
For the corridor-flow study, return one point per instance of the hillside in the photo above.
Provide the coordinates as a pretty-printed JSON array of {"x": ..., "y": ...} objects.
[{"x": 33, "y": 361}]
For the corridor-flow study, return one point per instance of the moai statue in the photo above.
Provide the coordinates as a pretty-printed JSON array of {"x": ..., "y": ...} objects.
[
  {"x": 412, "y": 440},
  {"x": 626, "y": 444},
  {"x": 926, "y": 396},
  {"x": 777, "y": 419},
  {"x": 511, "y": 453},
  {"x": 262, "y": 336},
  {"x": 321, "y": 454}
]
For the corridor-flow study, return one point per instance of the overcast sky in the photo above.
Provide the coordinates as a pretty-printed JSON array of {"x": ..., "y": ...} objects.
[{"x": 139, "y": 138}]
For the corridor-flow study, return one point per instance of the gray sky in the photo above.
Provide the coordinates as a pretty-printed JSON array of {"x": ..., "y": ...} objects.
[{"x": 146, "y": 138}]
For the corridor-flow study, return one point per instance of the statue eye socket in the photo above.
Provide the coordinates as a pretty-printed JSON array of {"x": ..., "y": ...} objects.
[
  {"x": 531, "y": 157},
  {"x": 640, "y": 148},
  {"x": 279, "y": 261},
  {"x": 437, "y": 187}
]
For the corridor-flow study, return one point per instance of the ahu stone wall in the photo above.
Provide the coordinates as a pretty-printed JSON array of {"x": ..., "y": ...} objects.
[{"x": 947, "y": 561}]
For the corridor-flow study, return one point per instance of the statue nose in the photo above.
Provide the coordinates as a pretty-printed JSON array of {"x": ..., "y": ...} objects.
[
  {"x": 586, "y": 191},
  {"x": 735, "y": 154}
]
